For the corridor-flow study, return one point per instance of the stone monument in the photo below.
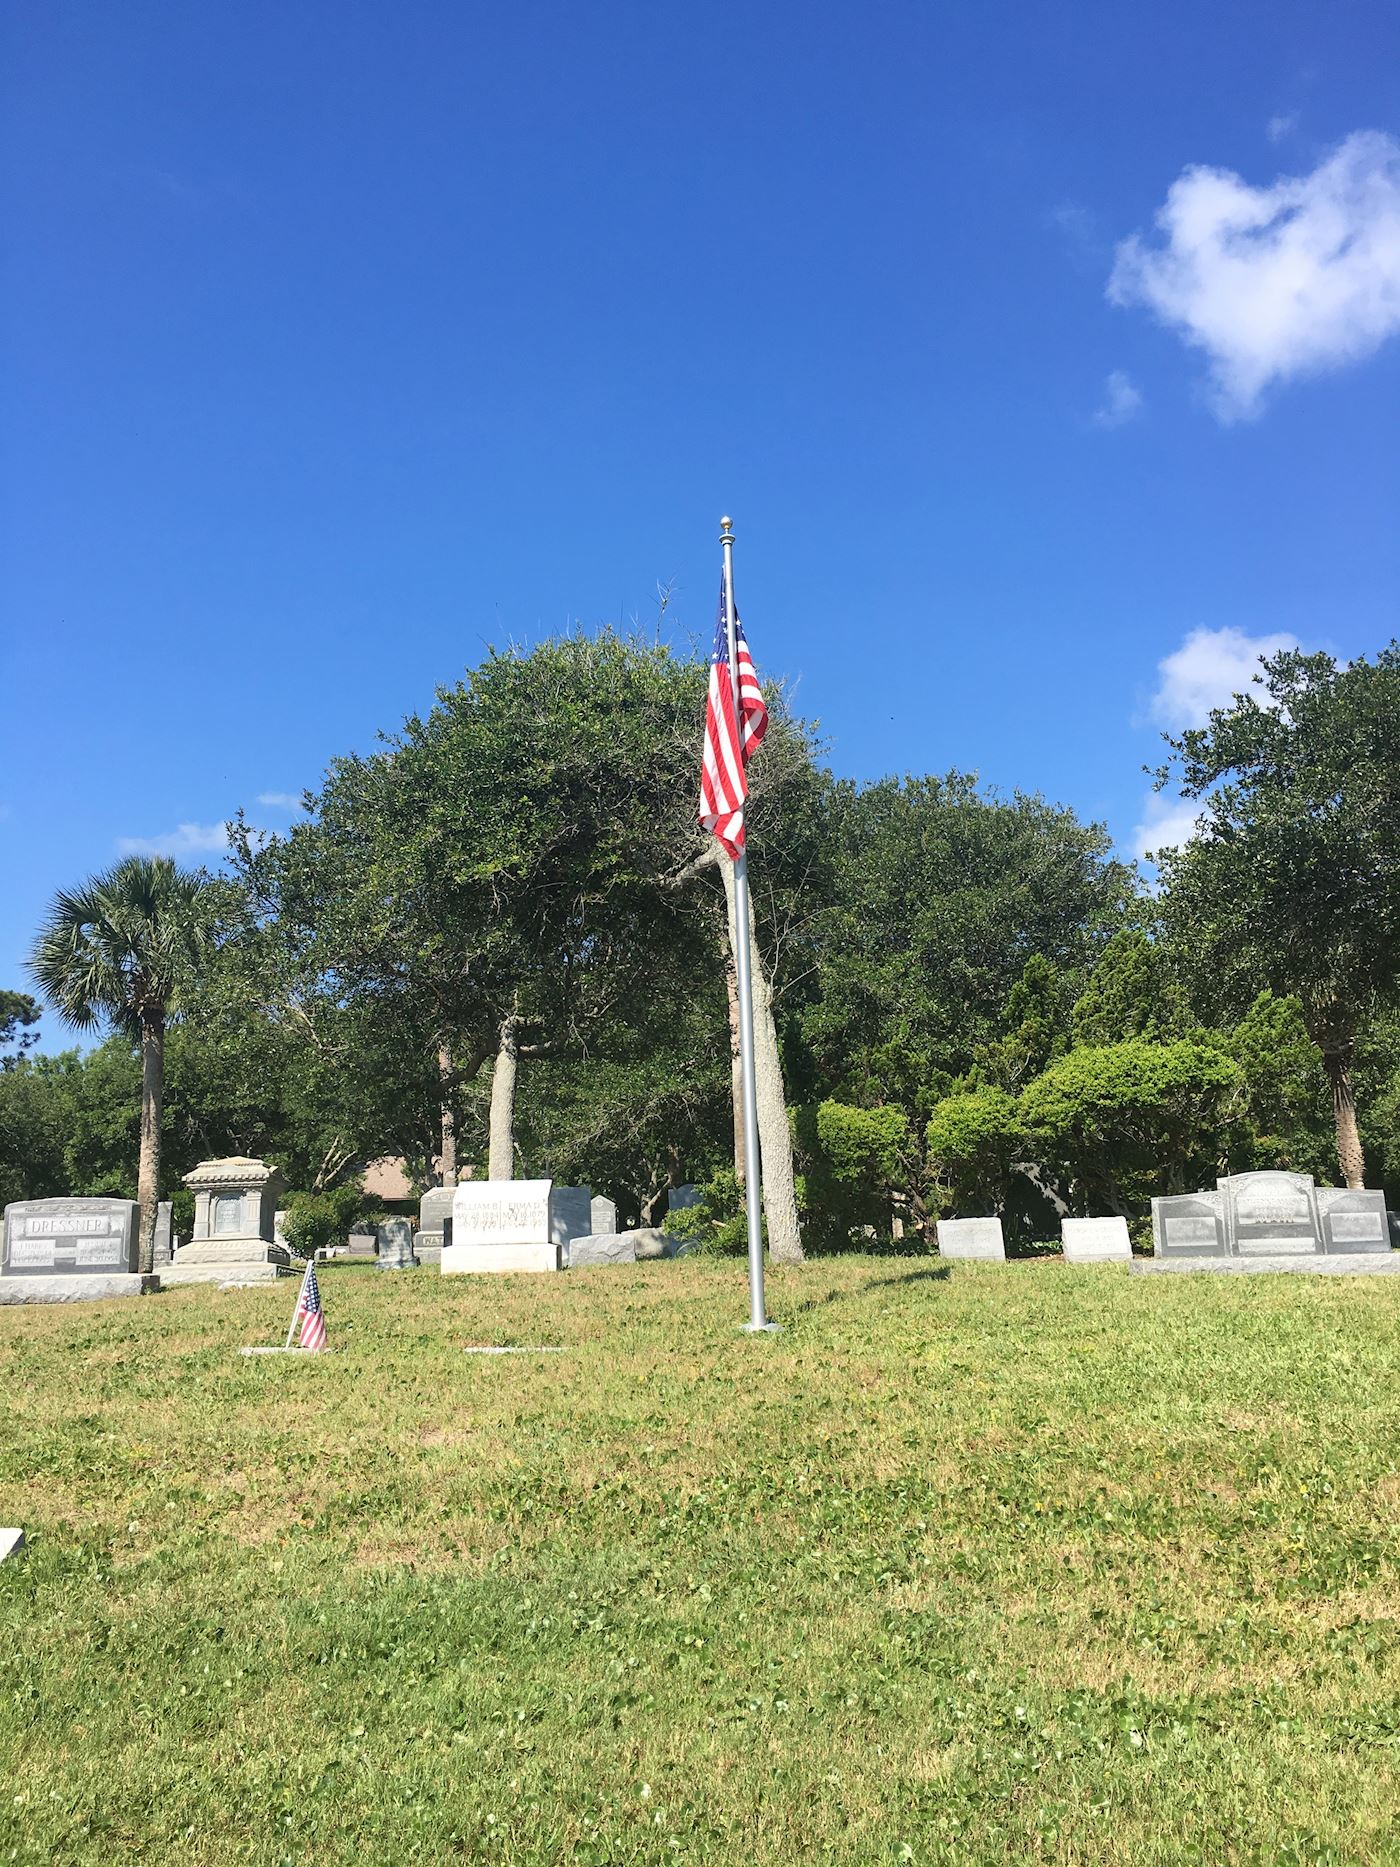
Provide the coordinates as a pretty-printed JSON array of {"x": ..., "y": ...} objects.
[
  {"x": 434, "y": 1213},
  {"x": 1095, "y": 1241},
  {"x": 680, "y": 1197},
  {"x": 602, "y": 1214},
  {"x": 396, "y": 1245},
  {"x": 69, "y": 1250},
  {"x": 165, "y": 1245},
  {"x": 501, "y": 1225},
  {"x": 970, "y": 1238},
  {"x": 1272, "y": 1220},
  {"x": 235, "y": 1202},
  {"x": 570, "y": 1215}
]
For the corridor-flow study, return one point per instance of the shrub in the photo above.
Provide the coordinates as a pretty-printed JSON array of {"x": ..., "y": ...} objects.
[{"x": 317, "y": 1220}]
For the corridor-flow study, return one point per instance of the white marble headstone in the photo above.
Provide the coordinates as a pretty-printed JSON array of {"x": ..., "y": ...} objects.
[
  {"x": 970, "y": 1238},
  {"x": 501, "y": 1225},
  {"x": 1095, "y": 1241}
]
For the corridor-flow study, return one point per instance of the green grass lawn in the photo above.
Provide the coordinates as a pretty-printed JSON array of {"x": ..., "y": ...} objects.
[{"x": 970, "y": 1563}]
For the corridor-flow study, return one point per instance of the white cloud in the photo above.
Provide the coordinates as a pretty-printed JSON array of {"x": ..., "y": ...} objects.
[
  {"x": 1122, "y": 399},
  {"x": 1167, "y": 822},
  {"x": 1207, "y": 671},
  {"x": 1277, "y": 282},
  {"x": 1279, "y": 127},
  {"x": 280, "y": 800},
  {"x": 186, "y": 839}
]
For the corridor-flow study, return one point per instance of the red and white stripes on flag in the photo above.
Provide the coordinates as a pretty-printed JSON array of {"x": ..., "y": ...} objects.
[
  {"x": 724, "y": 783},
  {"x": 309, "y": 1312}
]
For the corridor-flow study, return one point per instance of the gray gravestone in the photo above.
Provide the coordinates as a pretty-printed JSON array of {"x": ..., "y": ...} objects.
[
  {"x": 70, "y": 1238},
  {"x": 970, "y": 1238},
  {"x": 396, "y": 1245},
  {"x": 361, "y": 1243},
  {"x": 602, "y": 1215},
  {"x": 681, "y": 1197},
  {"x": 69, "y": 1250},
  {"x": 570, "y": 1213},
  {"x": 1095, "y": 1241},
  {"x": 164, "y": 1247},
  {"x": 1352, "y": 1219},
  {"x": 1271, "y": 1219},
  {"x": 434, "y": 1222},
  {"x": 1190, "y": 1225},
  {"x": 649, "y": 1241},
  {"x": 1271, "y": 1214}
]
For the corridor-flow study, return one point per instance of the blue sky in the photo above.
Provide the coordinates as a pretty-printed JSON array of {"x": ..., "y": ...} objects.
[{"x": 341, "y": 340}]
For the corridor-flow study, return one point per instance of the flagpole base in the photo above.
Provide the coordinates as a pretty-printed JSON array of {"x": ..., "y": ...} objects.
[{"x": 760, "y": 1328}]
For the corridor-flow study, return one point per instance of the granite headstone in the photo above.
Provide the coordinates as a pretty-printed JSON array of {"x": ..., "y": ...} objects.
[
  {"x": 165, "y": 1244},
  {"x": 1270, "y": 1217},
  {"x": 69, "y": 1250},
  {"x": 570, "y": 1213},
  {"x": 235, "y": 1206},
  {"x": 396, "y": 1245}
]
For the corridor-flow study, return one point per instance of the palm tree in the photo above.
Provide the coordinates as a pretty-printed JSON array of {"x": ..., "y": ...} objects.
[{"x": 116, "y": 951}]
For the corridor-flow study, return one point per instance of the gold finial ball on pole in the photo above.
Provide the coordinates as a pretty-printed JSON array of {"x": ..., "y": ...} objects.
[{"x": 726, "y": 530}]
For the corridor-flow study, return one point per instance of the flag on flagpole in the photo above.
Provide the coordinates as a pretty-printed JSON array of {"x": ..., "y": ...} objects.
[
  {"x": 309, "y": 1314},
  {"x": 724, "y": 783}
]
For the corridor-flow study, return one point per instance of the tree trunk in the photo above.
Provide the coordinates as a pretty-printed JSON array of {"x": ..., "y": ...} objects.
[
  {"x": 148, "y": 1174},
  {"x": 448, "y": 1162},
  {"x": 1350, "y": 1159},
  {"x": 736, "y": 1072},
  {"x": 501, "y": 1160},
  {"x": 774, "y": 1135}
]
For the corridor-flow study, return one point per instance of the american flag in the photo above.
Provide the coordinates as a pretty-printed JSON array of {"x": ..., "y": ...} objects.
[
  {"x": 724, "y": 783},
  {"x": 309, "y": 1312}
]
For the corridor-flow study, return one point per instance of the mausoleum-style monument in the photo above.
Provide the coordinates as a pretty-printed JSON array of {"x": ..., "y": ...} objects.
[
  {"x": 235, "y": 1207},
  {"x": 1272, "y": 1220}
]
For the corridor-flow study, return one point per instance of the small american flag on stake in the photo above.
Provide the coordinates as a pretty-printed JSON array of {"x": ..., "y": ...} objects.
[
  {"x": 724, "y": 782},
  {"x": 309, "y": 1313}
]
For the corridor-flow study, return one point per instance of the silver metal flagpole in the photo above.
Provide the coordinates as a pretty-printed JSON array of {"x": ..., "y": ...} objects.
[{"x": 743, "y": 969}]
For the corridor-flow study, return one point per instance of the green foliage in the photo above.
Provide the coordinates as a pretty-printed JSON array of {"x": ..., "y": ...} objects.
[
  {"x": 119, "y": 949},
  {"x": 854, "y": 1163},
  {"x": 1294, "y": 881},
  {"x": 1033, "y": 1028},
  {"x": 1130, "y": 994},
  {"x": 973, "y": 1140},
  {"x": 315, "y": 1221},
  {"x": 18, "y": 1011},
  {"x": 940, "y": 897},
  {"x": 717, "y": 1225},
  {"x": 1116, "y": 1124},
  {"x": 1285, "y": 1119}
]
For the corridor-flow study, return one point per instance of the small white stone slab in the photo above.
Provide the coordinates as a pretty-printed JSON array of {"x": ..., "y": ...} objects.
[
  {"x": 488, "y": 1349},
  {"x": 970, "y": 1238},
  {"x": 11, "y": 1543},
  {"x": 1096, "y": 1241},
  {"x": 294, "y": 1350}
]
